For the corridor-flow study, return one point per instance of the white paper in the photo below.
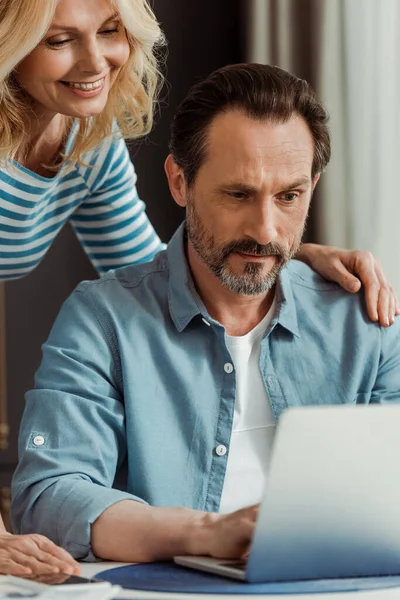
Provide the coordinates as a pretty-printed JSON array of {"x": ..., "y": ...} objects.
[{"x": 10, "y": 586}]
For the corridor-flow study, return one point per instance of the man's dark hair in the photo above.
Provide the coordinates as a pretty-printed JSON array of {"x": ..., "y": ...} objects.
[{"x": 262, "y": 92}]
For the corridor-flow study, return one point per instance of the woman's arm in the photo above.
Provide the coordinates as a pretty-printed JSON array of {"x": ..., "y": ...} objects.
[
  {"x": 351, "y": 269},
  {"x": 111, "y": 223}
]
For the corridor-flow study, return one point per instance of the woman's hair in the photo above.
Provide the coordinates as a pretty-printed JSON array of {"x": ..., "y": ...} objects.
[{"x": 132, "y": 98}]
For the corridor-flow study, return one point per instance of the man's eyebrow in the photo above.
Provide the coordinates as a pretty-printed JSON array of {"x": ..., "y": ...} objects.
[
  {"x": 113, "y": 17},
  {"x": 238, "y": 186},
  {"x": 295, "y": 184}
]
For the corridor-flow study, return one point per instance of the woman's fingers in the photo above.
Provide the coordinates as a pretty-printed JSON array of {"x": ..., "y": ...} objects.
[
  {"x": 11, "y": 567},
  {"x": 33, "y": 563},
  {"x": 57, "y": 553},
  {"x": 34, "y": 554},
  {"x": 387, "y": 299}
]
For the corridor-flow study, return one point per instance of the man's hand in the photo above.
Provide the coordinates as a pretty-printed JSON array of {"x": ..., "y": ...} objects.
[
  {"x": 33, "y": 554},
  {"x": 228, "y": 536},
  {"x": 130, "y": 531},
  {"x": 351, "y": 269}
]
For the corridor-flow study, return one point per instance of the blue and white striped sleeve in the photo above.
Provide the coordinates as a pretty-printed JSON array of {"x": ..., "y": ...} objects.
[{"x": 111, "y": 223}]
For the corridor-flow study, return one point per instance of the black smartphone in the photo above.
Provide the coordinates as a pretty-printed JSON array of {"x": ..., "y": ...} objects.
[{"x": 61, "y": 579}]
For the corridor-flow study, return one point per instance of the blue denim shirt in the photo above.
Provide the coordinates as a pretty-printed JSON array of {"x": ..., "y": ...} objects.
[{"x": 134, "y": 366}]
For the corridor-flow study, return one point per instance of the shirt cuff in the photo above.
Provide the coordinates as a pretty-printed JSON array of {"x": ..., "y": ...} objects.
[{"x": 83, "y": 502}]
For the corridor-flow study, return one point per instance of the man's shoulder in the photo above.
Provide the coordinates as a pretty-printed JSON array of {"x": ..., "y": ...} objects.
[
  {"x": 303, "y": 276},
  {"x": 323, "y": 298},
  {"x": 137, "y": 280}
]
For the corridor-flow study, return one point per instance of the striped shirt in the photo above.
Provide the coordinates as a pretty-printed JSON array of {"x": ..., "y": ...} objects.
[{"x": 100, "y": 201}]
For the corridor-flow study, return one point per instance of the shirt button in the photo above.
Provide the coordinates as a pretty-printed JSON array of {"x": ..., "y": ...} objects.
[
  {"x": 228, "y": 367},
  {"x": 220, "y": 450},
  {"x": 38, "y": 440}
]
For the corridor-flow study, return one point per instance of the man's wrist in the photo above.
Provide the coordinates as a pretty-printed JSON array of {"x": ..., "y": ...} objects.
[{"x": 199, "y": 532}]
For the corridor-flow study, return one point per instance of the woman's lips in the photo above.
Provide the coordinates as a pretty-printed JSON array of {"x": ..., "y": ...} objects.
[{"x": 86, "y": 93}]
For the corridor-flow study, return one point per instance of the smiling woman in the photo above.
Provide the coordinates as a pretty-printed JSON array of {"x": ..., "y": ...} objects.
[
  {"x": 85, "y": 77},
  {"x": 70, "y": 47}
]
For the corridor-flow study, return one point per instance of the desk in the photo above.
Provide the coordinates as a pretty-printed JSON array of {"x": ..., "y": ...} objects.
[{"x": 91, "y": 569}]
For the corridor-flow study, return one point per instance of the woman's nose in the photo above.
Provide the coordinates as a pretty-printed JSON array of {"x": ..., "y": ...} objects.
[{"x": 92, "y": 60}]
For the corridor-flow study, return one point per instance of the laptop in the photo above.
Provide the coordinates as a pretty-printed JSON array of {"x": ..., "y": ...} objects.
[{"x": 331, "y": 505}]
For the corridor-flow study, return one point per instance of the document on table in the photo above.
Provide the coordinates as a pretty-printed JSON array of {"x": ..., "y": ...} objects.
[{"x": 11, "y": 587}]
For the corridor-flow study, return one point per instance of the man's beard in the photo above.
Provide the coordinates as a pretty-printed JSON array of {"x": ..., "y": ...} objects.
[{"x": 252, "y": 281}]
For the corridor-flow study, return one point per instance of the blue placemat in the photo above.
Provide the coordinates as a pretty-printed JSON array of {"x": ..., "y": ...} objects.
[{"x": 168, "y": 577}]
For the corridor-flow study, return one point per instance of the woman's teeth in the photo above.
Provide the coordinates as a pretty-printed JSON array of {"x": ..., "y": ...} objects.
[{"x": 85, "y": 86}]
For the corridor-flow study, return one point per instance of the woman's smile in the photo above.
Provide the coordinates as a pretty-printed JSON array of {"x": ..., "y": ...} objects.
[{"x": 85, "y": 89}]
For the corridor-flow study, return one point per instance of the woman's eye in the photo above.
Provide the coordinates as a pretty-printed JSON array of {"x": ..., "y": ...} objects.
[
  {"x": 60, "y": 43},
  {"x": 57, "y": 43},
  {"x": 109, "y": 31}
]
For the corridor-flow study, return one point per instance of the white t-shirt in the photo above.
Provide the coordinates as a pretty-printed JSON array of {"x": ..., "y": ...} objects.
[{"x": 253, "y": 424}]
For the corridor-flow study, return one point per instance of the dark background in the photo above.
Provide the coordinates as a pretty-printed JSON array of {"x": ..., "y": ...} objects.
[{"x": 202, "y": 36}]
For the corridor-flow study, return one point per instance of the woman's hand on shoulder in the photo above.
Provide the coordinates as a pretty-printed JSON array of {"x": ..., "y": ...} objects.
[
  {"x": 352, "y": 269},
  {"x": 33, "y": 554}
]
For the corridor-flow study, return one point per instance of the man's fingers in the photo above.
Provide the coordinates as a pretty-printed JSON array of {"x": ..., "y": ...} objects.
[{"x": 250, "y": 512}]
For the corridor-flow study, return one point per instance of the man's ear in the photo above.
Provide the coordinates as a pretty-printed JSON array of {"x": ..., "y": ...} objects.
[
  {"x": 315, "y": 180},
  {"x": 176, "y": 181}
]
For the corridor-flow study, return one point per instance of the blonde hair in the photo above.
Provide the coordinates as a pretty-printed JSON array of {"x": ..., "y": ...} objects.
[{"x": 131, "y": 101}]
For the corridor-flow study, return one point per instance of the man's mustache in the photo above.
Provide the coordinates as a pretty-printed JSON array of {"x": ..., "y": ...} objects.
[{"x": 249, "y": 247}]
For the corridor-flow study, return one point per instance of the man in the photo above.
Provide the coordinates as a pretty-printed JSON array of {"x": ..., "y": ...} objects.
[{"x": 184, "y": 365}]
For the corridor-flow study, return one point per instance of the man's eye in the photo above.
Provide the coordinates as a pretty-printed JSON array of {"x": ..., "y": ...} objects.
[
  {"x": 290, "y": 197},
  {"x": 238, "y": 195}
]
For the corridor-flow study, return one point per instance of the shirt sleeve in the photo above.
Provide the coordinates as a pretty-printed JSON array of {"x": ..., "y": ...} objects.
[
  {"x": 72, "y": 436},
  {"x": 111, "y": 223},
  {"x": 387, "y": 383}
]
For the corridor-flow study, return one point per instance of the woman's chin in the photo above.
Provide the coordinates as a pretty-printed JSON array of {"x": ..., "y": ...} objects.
[{"x": 91, "y": 110}]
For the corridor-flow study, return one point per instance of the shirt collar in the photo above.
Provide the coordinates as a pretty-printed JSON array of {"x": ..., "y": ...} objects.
[
  {"x": 286, "y": 313},
  {"x": 183, "y": 299},
  {"x": 185, "y": 303}
]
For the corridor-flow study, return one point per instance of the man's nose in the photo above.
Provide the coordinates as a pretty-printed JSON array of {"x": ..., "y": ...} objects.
[{"x": 263, "y": 224}]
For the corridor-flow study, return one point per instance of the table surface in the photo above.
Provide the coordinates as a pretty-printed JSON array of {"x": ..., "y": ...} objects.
[{"x": 91, "y": 569}]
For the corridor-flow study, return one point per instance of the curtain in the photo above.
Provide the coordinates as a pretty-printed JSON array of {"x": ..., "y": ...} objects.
[{"x": 349, "y": 50}]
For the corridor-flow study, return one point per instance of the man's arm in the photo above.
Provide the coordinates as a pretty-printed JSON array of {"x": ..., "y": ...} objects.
[
  {"x": 133, "y": 532},
  {"x": 72, "y": 436}
]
